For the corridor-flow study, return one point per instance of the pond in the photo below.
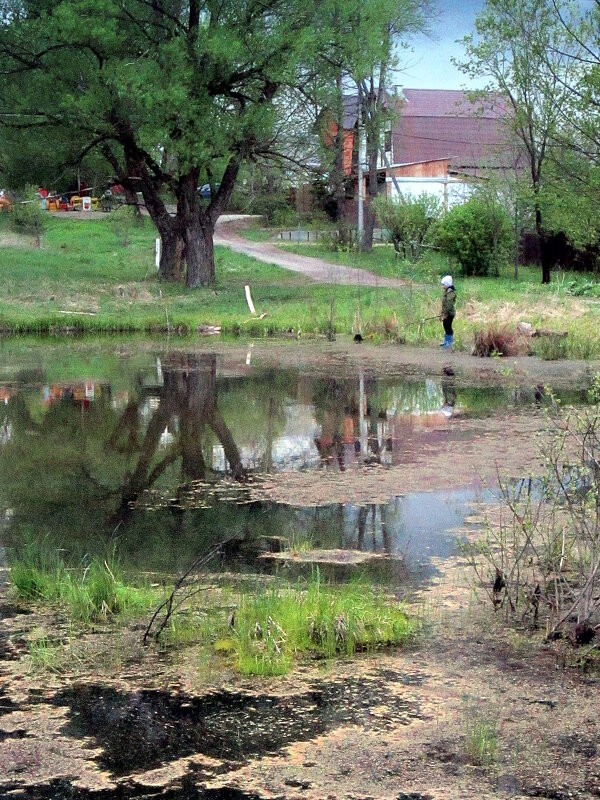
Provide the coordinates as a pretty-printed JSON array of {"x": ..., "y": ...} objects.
[
  {"x": 163, "y": 454},
  {"x": 153, "y": 454}
]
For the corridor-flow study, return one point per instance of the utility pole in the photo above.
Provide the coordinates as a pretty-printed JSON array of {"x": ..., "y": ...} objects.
[
  {"x": 361, "y": 187},
  {"x": 517, "y": 231}
]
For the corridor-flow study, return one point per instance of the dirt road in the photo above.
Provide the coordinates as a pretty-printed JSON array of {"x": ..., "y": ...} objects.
[{"x": 227, "y": 235}]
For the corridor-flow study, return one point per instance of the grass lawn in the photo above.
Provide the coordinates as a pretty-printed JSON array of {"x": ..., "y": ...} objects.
[
  {"x": 488, "y": 301},
  {"x": 107, "y": 276},
  {"x": 85, "y": 267}
]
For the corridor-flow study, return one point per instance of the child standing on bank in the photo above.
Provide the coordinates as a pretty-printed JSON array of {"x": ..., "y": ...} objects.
[{"x": 448, "y": 310}]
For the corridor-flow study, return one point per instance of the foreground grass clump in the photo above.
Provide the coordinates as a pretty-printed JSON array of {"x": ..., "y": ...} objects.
[
  {"x": 481, "y": 743},
  {"x": 96, "y": 592},
  {"x": 272, "y": 628}
]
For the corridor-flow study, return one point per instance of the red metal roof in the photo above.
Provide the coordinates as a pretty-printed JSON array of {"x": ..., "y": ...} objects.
[
  {"x": 449, "y": 103},
  {"x": 439, "y": 123}
]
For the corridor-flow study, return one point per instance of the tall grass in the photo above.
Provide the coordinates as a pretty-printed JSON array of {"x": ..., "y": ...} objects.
[
  {"x": 481, "y": 742},
  {"x": 90, "y": 593},
  {"x": 273, "y": 627}
]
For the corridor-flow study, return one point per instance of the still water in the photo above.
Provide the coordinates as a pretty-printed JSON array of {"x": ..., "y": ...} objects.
[{"x": 103, "y": 447}]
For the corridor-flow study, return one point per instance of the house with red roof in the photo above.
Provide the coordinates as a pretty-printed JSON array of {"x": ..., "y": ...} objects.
[{"x": 440, "y": 142}]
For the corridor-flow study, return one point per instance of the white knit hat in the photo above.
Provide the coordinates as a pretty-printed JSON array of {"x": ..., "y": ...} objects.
[{"x": 447, "y": 281}]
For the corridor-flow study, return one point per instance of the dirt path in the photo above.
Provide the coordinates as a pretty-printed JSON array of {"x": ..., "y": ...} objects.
[
  {"x": 227, "y": 235},
  {"x": 316, "y": 269}
]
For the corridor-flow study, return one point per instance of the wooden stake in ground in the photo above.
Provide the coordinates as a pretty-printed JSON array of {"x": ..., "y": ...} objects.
[
  {"x": 249, "y": 300},
  {"x": 251, "y": 304}
]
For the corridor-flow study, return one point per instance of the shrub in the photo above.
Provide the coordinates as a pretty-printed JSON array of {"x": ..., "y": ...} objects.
[
  {"x": 499, "y": 341},
  {"x": 28, "y": 217},
  {"x": 540, "y": 557},
  {"x": 122, "y": 222},
  {"x": 477, "y": 234},
  {"x": 409, "y": 221}
]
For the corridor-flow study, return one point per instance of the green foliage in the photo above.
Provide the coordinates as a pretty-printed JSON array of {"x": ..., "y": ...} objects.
[
  {"x": 477, "y": 234},
  {"x": 582, "y": 288},
  {"x": 481, "y": 743},
  {"x": 179, "y": 95},
  {"x": 273, "y": 627},
  {"x": 122, "y": 222},
  {"x": 569, "y": 200},
  {"x": 261, "y": 189},
  {"x": 410, "y": 222},
  {"x": 90, "y": 594},
  {"x": 28, "y": 218}
]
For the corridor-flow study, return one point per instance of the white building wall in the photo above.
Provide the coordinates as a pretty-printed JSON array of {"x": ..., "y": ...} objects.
[{"x": 449, "y": 190}]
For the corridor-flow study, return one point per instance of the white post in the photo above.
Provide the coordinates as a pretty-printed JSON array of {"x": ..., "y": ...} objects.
[
  {"x": 361, "y": 186},
  {"x": 249, "y": 301},
  {"x": 362, "y": 410},
  {"x": 157, "y": 252}
]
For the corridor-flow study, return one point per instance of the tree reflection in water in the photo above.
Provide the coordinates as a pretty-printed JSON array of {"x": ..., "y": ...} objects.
[{"x": 187, "y": 403}]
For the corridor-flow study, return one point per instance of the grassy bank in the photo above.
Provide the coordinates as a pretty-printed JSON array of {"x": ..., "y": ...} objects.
[
  {"x": 270, "y": 628},
  {"x": 91, "y": 276},
  {"x": 85, "y": 278},
  {"x": 570, "y": 303}
]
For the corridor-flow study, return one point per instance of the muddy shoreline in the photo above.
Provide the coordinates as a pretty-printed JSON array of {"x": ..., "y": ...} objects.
[
  {"x": 335, "y": 359},
  {"x": 112, "y": 719}
]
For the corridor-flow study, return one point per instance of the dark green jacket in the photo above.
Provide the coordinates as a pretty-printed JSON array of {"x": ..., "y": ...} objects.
[{"x": 449, "y": 302}]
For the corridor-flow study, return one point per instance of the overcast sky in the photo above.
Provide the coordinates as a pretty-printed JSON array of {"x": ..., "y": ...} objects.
[{"x": 428, "y": 64}]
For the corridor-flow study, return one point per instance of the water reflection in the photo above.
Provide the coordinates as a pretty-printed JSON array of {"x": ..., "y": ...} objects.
[{"x": 78, "y": 453}]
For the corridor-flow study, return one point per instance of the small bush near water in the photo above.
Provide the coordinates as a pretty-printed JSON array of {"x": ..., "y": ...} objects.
[
  {"x": 93, "y": 593},
  {"x": 539, "y": 561},
  {"x": 499, "y": 341},
  {"x": 477, "y": 234},
  {"x": 271, "y": 628}
]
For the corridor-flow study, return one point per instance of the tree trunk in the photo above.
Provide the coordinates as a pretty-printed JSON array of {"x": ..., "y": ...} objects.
[
  {"x": 338, "y": 175},
  {"x": 199, "y": 252},
  {"x": 171, "y": 257},
  {"x": 544, "y": 253},
  {"x": 132, "y": 200},
  {"x": 367, "y": 243}
]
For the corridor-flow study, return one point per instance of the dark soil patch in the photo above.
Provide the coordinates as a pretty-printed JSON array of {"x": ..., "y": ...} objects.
[
  {"x": 6, "y": 705},
  {"x": 10, "y": 610},
  {"x": 187, "y": 790},
  {"x": 142, "y": 730}
]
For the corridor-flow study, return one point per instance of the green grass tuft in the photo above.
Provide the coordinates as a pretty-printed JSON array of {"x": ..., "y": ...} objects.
[
  {"x": 96, "y": 592},
  {"x": 273, "y": 628},
  {"x": 481, "y": 743}
]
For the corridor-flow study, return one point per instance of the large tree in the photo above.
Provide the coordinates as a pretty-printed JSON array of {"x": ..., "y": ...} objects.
[
  {"x": 173, "y": 94},
  {"x": 352, "y": 72},
  {"x": 522, "y": 49}
]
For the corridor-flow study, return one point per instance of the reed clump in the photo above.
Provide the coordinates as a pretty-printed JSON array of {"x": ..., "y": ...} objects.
[
  {"x": 272, "y": 628},
  {"x": 90, "y": 592}
]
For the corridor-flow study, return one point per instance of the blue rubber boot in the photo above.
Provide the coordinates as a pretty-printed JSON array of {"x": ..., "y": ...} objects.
[{"x": 448, "y": 342}]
